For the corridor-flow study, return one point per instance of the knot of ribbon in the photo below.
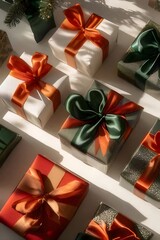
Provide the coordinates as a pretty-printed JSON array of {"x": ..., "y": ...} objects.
[
  {"x": 151, "y": 172},
  {"x": 146, "y": 47},
  {"x": 40, "y": 203},
  {"x": 98, "y": 117},
  {"x": 75, "y": 21},
  {"x": 31, "y": 77},
  {"x": 118, "y": 230}
]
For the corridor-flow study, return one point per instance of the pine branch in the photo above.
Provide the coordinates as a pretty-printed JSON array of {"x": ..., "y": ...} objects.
[
  {"x": 15, "y": 13},
  {"x": 46, "y": 8}
]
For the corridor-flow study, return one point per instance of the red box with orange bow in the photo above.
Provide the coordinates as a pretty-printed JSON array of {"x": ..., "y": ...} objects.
[
  {"x": 44, "y": 201},
  {"x": 108, "y": 224},
  {"x": 98, "y": 125},
  {"x": 142, "y": 173},
  {"x": 34, "y": 89},
  {"x": 83, "y": 40}
]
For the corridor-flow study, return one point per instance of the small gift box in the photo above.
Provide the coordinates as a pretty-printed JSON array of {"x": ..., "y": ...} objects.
[
  {"x": 108, "y": 224},
  {"x": 5, "y": 46},
  {"x": 44, "y": 202},
  {"x": 33, "y": 89},
  {"x": 83, "y": 40},
  {"x": 140, "y": 65},
  {"x": 98, "y": 125},
  {"x": 8, "y": 141},
  {"x": 142, "y": 175},
  {"x": 154, "y": 4}
]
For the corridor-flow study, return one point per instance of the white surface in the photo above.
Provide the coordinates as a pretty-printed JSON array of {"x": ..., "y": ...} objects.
[{"x": 130, "y": 16}]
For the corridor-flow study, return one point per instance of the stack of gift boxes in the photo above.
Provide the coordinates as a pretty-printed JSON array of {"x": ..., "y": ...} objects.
[{"x": 98, "y": 124}]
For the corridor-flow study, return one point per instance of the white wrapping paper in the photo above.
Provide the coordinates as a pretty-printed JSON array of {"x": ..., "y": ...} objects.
[
  {"x": 89, "y": 57},
  {"x": 38, "y": 109}
]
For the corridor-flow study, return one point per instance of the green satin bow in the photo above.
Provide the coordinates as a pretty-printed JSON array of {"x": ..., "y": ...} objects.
[
  {"x": 145, "y": 48},
  {"x": 91, "y": 111}
]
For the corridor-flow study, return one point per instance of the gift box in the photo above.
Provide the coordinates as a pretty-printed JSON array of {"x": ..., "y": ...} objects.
[
  {"x": 154, "y": 4},
  {"x": 44, "y": 202},
  {"x": 8, "y": 141},
  {"x": 139, "y": 65},
  {"x": 98, "y": 125},
  {"x": 83, "y": 40},
  {"x": 34, "y": 89},
  {"x": 142, "y": 175},
  {"x": 109, "y": 224},
  {"x": 5, "y": 46}
]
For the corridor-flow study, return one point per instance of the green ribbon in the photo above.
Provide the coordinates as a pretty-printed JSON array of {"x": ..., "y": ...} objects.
[
  {"x": 39, "y": 26},
  {"x": 146, "y": 47},
  {"x": 91, "y": 111}
]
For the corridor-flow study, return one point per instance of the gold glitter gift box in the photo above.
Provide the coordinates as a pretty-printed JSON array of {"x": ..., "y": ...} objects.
[
  {"x": 5, "y": 46},
  {"x": 142, "y": 175},
  {"x": 107, "y": 223}
]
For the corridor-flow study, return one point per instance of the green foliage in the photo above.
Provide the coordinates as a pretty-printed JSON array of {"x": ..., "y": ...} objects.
[{"x": 46, "y": 8}]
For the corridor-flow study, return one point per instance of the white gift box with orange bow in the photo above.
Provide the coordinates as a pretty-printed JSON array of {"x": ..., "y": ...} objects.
[
  {"x": 83, "y": 40},
  {"x": 39, "y": 94}
]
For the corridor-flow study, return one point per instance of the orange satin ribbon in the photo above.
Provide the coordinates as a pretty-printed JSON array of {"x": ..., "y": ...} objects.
[
  {"x": 112, "y": 106},
  {"x": 151, "y": 171},
  {"x": 43, "y": 200},
  {"x": 32, "y": 79},
  {"x": 121, "y": 229},
  {"x": 86, "y": 31}
]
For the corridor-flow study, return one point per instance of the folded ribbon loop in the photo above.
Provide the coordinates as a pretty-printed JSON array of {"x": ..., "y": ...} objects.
[
  {"x": 40, "y": 203},
  {"x": 118, "y": 230},
  {"x": 86, "y": 31},
  {"x": 31, "y": 76},
  {"x": 98, "y": 117},
  {"x": 145, "y": 48},
  {"x": 151, "y": 171}
]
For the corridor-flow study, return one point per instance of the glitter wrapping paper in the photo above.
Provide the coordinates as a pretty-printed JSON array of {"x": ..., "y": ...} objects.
[
  {"x": 37, "y": 108},
  {"x": 154, "y": 4},
  {"x": 133, "y": 65},
  {"x": 8, "y": 141},
  {"x": 89, "y": 56},
  {"x": 5, "y": 46},
  {"x": 52, "y": 208},
  {"x": 94, "y": 154},
  {"x": 138, "y": 165},
  {"x": 108, "y": 216}
]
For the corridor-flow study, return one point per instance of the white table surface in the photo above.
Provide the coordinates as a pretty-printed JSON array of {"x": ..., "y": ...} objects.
[{"x": 130, "y": 16}]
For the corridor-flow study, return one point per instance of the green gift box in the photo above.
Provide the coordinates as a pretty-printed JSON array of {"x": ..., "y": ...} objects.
[
  {"x": 8, "y": 141},
  {"x": 140, "y": 64},
  {"x": 142, "y": 175},
  {"x": 98, "y": 124},
  {"x": 108, "y": 224},
  {"x": 5, "y": 46}
]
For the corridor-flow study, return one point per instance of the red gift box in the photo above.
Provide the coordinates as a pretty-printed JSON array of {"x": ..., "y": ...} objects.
[{"x": 44, "y": 202}]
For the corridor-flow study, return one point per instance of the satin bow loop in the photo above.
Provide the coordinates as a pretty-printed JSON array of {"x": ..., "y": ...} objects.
[
  {"x": 145, "y": 48},
  {"x": 99, "y": 118},
  {"x": 39, "y": 202}
]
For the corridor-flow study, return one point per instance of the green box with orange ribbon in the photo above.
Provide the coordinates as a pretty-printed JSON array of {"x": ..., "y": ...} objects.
[
  {"x": 44, "y": 202},
  {"x": 140, "y": 64},
  {"x": 142, "y": 173},
  {"x": 98, "y": 125}
]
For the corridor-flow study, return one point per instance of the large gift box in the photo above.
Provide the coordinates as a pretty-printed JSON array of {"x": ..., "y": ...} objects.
[
  {"x": 34, "y": 89},
  {"x": 154, "y": 4},
  {"x": 142, "y": 173},
  {"x": 83, "y": 40},
  {"x": 5, "y": 46},
  {"x": 44, "y": 202},
  {"x": 98, "y": 124},
  {"x": 108, "y": 224},
  {"x": 140, "y": 64},
  {"x": 8, "y": 140}
]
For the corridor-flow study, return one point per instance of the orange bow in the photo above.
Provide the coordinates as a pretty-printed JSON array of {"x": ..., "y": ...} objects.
[
  {"x": 86, "y": 31},
  {"x": 151, "y": 171},
  {"x": 41, "y": 202},
  {"x": 32, "y": 78}
]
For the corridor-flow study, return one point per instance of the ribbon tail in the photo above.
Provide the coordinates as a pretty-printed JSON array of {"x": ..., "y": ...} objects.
[{"x": 102, "y": 141}]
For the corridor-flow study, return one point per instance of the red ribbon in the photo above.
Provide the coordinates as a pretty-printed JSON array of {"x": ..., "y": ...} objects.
[
  {"x": 86, "y": 31},
  {"x": 151, "y": 171}
]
